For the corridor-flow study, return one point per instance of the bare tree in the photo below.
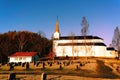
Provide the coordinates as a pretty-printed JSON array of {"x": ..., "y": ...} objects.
[
  {"x": 116, "y": 39},
  {"x": 22, "y": 41},
  {"x": 72, "y": 35},
  {"x": 85, "y": 25},
  {"x": 41, "y": 33},
  {"x": 84, "y": 32}
]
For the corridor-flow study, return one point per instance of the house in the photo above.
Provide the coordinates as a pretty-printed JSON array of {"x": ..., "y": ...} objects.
[
  {"x": 80, "y": 46},
  {"x": 23, "y": 57}
]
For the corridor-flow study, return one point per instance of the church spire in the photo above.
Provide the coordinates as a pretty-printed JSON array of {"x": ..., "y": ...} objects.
[
  {"x": 57, "y": 26},
  {"x": 57, "y": 32}
]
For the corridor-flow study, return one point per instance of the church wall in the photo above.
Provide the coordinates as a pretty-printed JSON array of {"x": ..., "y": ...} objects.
[
  {"x": 100, "y": 51},
  {"x": 112, "y": 53},
  {"x": 93, "y": 51}
]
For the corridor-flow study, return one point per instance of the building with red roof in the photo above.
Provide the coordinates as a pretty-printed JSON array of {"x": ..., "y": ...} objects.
[{"x": 23, "y": 57}]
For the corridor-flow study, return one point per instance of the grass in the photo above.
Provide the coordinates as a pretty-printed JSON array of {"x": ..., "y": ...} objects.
[{"x": 88, "y": 70}]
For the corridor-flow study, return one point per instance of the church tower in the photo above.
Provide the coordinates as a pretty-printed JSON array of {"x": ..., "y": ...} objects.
[{"x": 56, "y": 34}]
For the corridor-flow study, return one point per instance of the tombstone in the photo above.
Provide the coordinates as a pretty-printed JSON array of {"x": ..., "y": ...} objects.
[
  {"x": 77, "y": 67},
  {"x": 50, "y": 64},
  {"x": 23, "y": 64},
  {"x": 43, "y": 76},
  {"x": 80, "y": 64},
  {"x": 11, "y": 66},
  {"x": 19, "y": 63},
  {"x": 61, "y": 66},
  {"x": 43, "y": 65},
  {"x": 58, "y": 63},
  {"x": 68, "y": 63},
  {"x": 27, "y": 65},
  {"x": 16, "y": 64},
  {"x": 12, "y": 76},
  {"x": 37, "y": 64}
]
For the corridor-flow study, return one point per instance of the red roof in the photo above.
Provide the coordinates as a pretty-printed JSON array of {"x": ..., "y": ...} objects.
[{"x": 23, "y": 54}]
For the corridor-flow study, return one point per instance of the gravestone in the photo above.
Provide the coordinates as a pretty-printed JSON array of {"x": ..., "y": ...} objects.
[
  {"x": 23, "y": 64},
  {"x": 61, "y": 66},
  {"x": 12, "y": 76},
  {"x": 43, "y": 65},
  {"x": 37, "y": 64},
  {"x": 27, "y": 65},
  {"x": 77, "y": 67},
  {"x": 43, "y": 76},
  {"x": 11, "y": 66}
]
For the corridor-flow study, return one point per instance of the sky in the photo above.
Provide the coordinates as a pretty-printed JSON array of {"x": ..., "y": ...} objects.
[{"x": 103, "y": 16}]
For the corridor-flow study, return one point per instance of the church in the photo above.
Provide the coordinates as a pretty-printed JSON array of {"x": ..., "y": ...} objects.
[{"x": 81, "y": 46}]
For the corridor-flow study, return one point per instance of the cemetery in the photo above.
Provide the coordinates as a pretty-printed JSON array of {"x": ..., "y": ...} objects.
[{"x": 92, "y": 68}]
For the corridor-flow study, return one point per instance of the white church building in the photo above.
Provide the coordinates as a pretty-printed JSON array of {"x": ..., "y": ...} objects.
[{"x": 80, "y": 46}]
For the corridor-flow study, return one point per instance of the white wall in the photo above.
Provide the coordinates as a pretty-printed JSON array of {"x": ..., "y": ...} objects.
[
  {"x": 56, "y": 35},
  {"x": 79, "y": 50},
  {"x": 111, "y": 54},
  {"x": 100, "y": 51},
  {"x": 96, "y": 51},
  {"x": 20, "y": 59}
]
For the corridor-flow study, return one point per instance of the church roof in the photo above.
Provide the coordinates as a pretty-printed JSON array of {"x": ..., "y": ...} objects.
[
  {"x": 82, "y": 44},
  {"x": 80, "y": 37},
  {"x": 110, "y": 48}
]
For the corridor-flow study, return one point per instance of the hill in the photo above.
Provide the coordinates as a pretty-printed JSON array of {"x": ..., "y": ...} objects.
[{"x": 23, "y": 41}]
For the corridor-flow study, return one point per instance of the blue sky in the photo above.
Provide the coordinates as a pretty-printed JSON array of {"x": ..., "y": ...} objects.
[{"x": 40, "y": 15}]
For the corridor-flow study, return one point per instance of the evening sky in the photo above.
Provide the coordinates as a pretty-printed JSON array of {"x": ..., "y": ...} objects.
[{"x": 40, "y": 15}]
